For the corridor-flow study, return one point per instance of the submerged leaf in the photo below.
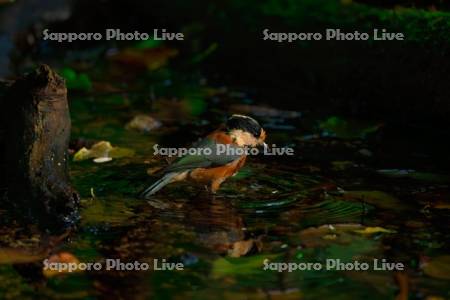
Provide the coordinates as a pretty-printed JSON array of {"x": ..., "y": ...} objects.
[
  {"x": 324, "y": 235},
  {"x": 241, "y": 248},
  {"x": 18, "y": 256},
  {"x": 250, "y": 265},
  {"x": 438, "y": 267},
  {"x": 100, "y": 212},
  {"x": 337, "y": 234},
  {"x": 150, "y": 58},
  {"x": 372, "y": 230},
  {"x": 63, "y": 258}
]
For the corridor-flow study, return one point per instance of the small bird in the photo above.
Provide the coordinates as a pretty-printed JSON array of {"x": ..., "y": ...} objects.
[{"x": 238, "y": 133}]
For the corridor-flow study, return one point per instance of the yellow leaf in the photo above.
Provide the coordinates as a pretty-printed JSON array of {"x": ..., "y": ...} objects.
[
  {"x": 117, "y": 152},
  {"x": 65, "y": 258},
  {"x": 372, "y": 230},
  {"x": 81, "y": 154},
  {"x": 102, "y": 151}
]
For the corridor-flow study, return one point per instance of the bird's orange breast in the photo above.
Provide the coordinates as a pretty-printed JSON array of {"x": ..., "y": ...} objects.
[{"x": 207, "y": 175}]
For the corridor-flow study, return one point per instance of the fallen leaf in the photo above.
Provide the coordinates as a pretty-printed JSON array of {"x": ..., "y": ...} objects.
[
  {"x": 149, "y": 58},
  {"x": 441, "y": 205},
  {"x": 249, "y": 265},
  {"x": 372, "y": 230},
  {"x": 112, "y": 213},
  {"x": 102, "y": 151},
  {"x": 81, "y": 154},
  {"x": 241, "y": 248},
  {"x": 438, "y": 267},
  {"x": 324, "y": 235},
  {"x": 61, "y": 258},
  {"x": 143, "y": 123},
  {"x": 18, "y": 256},
  {"x": 329, "y": 237}
]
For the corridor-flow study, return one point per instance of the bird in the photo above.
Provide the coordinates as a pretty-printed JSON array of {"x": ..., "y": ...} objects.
[{"x": 239, "y": 132}]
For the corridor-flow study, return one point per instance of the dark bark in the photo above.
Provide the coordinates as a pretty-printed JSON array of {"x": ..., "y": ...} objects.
[{"x": 37, "y": 133}]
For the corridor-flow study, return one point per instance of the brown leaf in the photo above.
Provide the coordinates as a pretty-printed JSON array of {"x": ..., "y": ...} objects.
[
  {"x": 151, "y": 59},
  {"x": 63, "y": 258},
  {"x": 19, "y": 256},
  {"x": 438, "y": 267},
  {"x": 241, "y": 248},
  {"x": 372, "y": 230},
  {"x": 143, "y": 123},
  {"x": 320, "y": 236}
]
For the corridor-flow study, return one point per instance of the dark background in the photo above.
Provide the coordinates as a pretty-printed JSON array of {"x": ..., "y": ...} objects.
[{"x": 403, "y": 83}]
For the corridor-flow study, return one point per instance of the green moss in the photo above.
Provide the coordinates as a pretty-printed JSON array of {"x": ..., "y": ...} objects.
[{"x": 416, "y": 24}]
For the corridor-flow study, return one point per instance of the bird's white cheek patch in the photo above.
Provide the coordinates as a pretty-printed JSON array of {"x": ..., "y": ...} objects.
[{"x": 243, "y": 138}]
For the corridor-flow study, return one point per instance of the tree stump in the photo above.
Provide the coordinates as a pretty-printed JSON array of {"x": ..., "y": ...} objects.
[{"x": 36, "y": 139}]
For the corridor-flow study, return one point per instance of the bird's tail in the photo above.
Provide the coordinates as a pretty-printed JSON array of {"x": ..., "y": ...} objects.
[{"x": 159, "y": 184}]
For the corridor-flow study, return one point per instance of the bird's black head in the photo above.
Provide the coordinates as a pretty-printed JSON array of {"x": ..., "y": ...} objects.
[{"x": 244, "y": 123}]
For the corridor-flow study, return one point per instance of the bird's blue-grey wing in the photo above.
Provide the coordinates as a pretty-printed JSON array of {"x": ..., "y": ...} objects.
[{"x": 215, "y": 156}]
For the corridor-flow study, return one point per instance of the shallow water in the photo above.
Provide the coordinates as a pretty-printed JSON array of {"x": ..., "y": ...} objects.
[{"x": 310, "y": 207}]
